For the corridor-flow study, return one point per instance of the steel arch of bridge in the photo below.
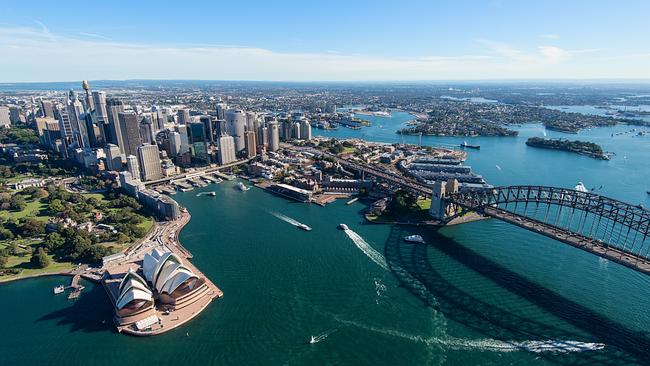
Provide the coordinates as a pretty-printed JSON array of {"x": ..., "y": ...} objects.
[{"x": 604, "y": 226}]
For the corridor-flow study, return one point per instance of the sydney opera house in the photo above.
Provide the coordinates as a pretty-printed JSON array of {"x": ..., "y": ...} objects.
[{"x": 157, "y": 293}]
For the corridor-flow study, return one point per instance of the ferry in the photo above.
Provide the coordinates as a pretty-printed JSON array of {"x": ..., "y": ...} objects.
[
  {"x": 414, "y": 239},
  {"x": 343, "y": 227},
  {"x": 303, "y": 227},
  {"x": 465, "y": 145},
  {"x": 242, "y": 187},
  {"x": 59, "y": 289}
]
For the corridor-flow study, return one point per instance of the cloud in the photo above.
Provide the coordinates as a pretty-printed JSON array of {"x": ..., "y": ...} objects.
[
  {"x": 94, "y": 35},
  {"x": 553, "y": 55},
  {"x": 40, "y": 55}
]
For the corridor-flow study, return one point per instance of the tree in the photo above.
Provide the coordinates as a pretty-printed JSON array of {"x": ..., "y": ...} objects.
[
  {"x": 40, "y": 259},
  {"x": 6, "y": 234},
  {"x": 3, "y": 261},
  {"x": 55, "y": 207},
  {"x": 54, "y": 241},
  {"x": 95, "y": 253},
  {"x": 31, "y": 227},
  {"x": 17, "y": 203}
]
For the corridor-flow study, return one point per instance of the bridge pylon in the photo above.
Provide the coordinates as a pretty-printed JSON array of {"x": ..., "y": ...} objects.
[{"x": 440, "y": 209}]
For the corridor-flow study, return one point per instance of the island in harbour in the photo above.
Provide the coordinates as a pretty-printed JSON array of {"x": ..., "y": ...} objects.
[{"x": 580, "y": 147}]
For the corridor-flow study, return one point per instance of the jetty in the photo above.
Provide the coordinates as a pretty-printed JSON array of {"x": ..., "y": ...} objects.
[{"x": 75, "y": 286}]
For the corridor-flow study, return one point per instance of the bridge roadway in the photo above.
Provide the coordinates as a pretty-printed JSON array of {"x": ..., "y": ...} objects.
[
  {"x": 579, "y": 241},
  {"x": 401, "y": 181}
]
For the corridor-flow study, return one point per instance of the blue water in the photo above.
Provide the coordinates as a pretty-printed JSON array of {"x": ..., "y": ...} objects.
[{"x": 477, "y": 294}]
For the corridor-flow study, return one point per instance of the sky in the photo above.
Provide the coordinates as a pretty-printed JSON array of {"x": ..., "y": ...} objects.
[{"x": 42, "y": 40}]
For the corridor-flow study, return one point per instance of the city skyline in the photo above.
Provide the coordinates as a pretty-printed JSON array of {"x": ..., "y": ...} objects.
[{"x": 378, "y": 41}]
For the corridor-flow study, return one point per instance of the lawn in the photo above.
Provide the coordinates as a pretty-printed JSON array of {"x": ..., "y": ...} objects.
[{"x": 32, "y": 208}]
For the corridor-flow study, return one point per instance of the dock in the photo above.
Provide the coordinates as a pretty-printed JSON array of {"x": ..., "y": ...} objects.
[{"x": 75, "y": 286}]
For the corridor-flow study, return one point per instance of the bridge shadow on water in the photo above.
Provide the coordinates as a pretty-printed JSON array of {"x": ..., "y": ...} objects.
[
  {"x": 90, "y": 312},
  {"x": 407, "y": 261}
]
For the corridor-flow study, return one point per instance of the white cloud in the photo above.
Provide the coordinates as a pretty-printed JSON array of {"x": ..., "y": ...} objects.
[
  {"x": 553, "y": 55},
  {"x": 94, "y": 35},
  {"x": 38, "y": 55}
]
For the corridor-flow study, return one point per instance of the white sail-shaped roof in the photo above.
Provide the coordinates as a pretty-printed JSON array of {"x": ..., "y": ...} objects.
[
  {"x": 180, "y": 276},
  {"x": 131, "y": 295},
  {"x": 132, "y": 287}
]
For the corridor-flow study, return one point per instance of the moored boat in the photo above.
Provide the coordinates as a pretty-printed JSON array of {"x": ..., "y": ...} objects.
[{"x": 414, "y": 239}]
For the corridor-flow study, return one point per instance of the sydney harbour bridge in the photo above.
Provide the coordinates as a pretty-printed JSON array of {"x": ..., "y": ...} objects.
[{"x": 603, "y": 226}]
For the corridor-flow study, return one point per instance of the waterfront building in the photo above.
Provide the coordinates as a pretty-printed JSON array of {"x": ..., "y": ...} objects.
[
  {"x": 5, "y": 119},
  {"x": 130, "y": 129},
  {"x": 149, "y": 162},
  {"x": 274, "y": 136},
  {"x": 133, "y": 167},
  {"x": 236, "y": 122},
  {"x": 226, "y": 150},
  {"x": 198, "y": 143},
  {"x": 134, "y": 299},
  {"x": 113, "y": 157},
  {"x": 251, "y": 145}
]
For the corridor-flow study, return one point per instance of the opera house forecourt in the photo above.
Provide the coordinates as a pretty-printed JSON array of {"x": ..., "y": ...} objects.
[{"x": 156, "y": 291}]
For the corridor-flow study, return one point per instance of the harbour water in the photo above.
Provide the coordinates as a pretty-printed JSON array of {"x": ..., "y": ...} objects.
[{"x": 484, "y": 293}]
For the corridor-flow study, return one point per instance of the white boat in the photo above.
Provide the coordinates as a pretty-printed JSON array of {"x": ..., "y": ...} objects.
[
  {"x": 343, "y": 226},
  {"x": 580, "y": 187},
  {"x": 304, "y": 227},
  {"x": 59, "y": 289},
  {"x": 242, "y": 187},
  {"x": 414, "y": 239},
  {"x": 312, "y": 340}
]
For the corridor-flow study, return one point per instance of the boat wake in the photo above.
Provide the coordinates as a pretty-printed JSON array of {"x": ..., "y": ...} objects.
[
  {"x": 286, "y": 219},
  {"x": 486, "y": 344},
  {"x": 371, "y": 253},
  {"x": 321, "y": 337}
]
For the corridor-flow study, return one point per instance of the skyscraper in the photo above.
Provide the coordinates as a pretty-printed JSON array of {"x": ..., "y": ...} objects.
[
  {"x": 207, "y": 125},
  {"x": 149, "y": 160},
  {"x": 99, "y": 98},
  {"x": 226, "y": 150},
  {"x": 185, "y": 140},
  {"x": 274, "y": 136},
  {"x": 221, "y": 111},
  {"x": 132, "y": 166},
  {"x": 46, "y": 109},
  {"x": 113, "y": 108},
  {"x": 113, "y": 157},
  {"x": 61, "y": 114},
  {"x": 5, "y": 121},
  {"x": 305, "y": 129},
  {"x": 183, "y": 116},
  {"x": 130, "y": 129},
  {"x": 236, "y": 122},
  {"x": 174, "y": 143},
  {"x": 14, "y": 114},
  {"x": 198, "y": 143},
  {"x": 251, "y": 145},
  {"x": 79, "y": 127}
]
